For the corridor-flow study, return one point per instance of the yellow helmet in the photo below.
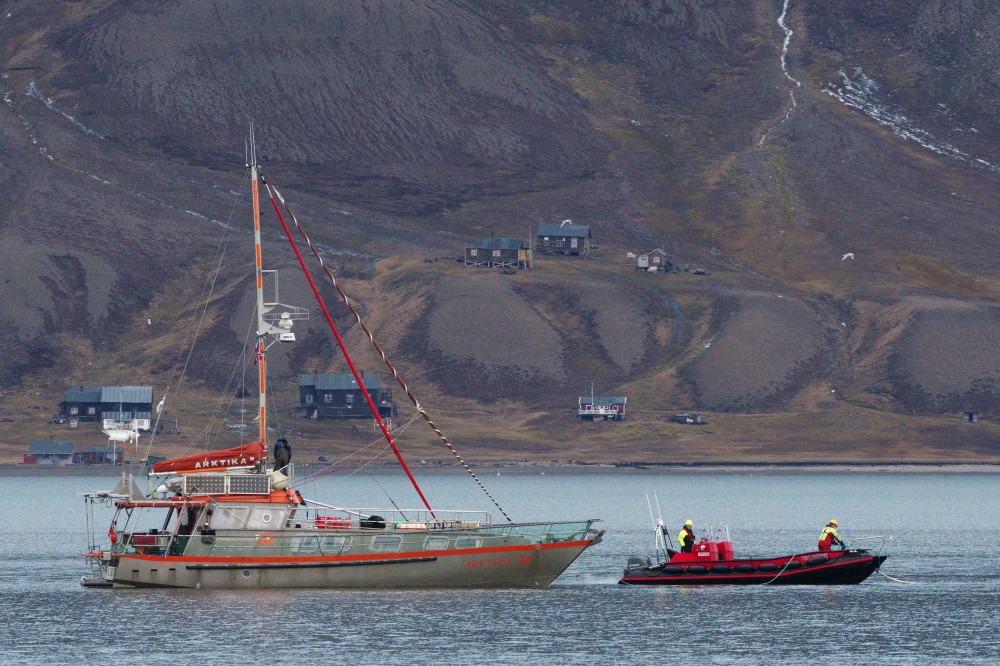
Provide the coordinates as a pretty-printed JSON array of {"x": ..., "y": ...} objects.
[
  {"x": 688, "y": 523},
  {"x": 834, "y": 522}
]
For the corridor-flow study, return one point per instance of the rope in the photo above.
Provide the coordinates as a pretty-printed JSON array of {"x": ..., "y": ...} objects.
[
  {"x": 385, "y": 359},
  {"x": 343, "y": 349},
  {"x": 897, "y": 580},
  {"x": 778, "y": 575}
]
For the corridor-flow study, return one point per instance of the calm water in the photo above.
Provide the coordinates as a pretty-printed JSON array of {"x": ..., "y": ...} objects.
[{"x": 943, "y": 531}]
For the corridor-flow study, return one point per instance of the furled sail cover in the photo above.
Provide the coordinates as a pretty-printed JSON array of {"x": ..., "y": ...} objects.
[{"x": 245, "y": 455}]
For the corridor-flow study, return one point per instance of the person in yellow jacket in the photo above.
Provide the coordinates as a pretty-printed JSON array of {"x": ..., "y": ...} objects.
[
  {"x": 686, "y": 537},
  {"x": 829, "y": 537}
]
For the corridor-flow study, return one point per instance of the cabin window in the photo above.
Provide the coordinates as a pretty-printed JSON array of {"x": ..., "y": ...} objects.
[
  {"x": 229, "y": 517},
  {"x": 74, "y": 411},
  {"x": 91, "y": 410},
  {"x": 349, "y": 398},
  {"x": 437, "y": 542},
  {"x": 385, "y": 543},
  {"x": 473, "y": 252},
  {"x": 309, "y": 398},
  {"x": 335, "y": 544},
  {"x": 468, "y": 542},
  {"x": 263, "y": 518},
  {"x": 307, "y": 545},
  {"x": 573, "y": 242},
  {"x": 496, "y": 253},
  {"x": 328, "y": 398}
]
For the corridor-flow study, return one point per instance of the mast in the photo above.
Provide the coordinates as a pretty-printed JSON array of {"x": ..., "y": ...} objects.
[{"x": 262, "y": 326}]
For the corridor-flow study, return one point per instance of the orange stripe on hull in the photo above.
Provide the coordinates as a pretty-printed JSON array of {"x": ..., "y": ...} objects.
[{"x": 472, "y": 552}]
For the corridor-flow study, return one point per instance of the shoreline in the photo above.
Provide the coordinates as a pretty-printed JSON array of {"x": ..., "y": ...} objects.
[{"x": 800, "y": 467}]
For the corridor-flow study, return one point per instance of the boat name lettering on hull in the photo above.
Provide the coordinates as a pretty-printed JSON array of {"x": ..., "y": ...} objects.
[{"x": 490, "y": 562}]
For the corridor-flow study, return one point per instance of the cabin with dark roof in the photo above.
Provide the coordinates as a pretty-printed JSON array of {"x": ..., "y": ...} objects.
[
  {"x": 609, "y": 408},
  {"x": 81, "y": 403},
  {"x": 565, "y": 238},
  {"x": 498, "y": 253},
  {"x": 50, "y": 452},
  {"x": 112, "y": 406},
  {"x": 338, "y": 396}
]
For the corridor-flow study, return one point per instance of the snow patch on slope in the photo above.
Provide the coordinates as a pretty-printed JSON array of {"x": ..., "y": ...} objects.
[{"x": 859, "y": 91}]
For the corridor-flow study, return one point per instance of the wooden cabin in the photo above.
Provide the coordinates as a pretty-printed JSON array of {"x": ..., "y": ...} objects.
[
  {"x": 100, "y": 455},
  {"x": 111, "y": 406},
  {"x": 564, "y": 238},
  {"x": 121, "y": 405},
  {"x": 657, "y": 261},
  {"x": 81, "y": 403},
  {"x": 50, "y": 452},
  {"x": 498, "y": 253},
  {"x": 338, "y": 396},
  {"x": 598, "y": 408}
]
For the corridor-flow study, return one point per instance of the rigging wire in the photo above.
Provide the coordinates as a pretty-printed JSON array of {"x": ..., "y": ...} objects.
[
  {"x": 208, "y": 288},
  {"x": 343, "y": 348},
  {"x": 273, "y": 192}
]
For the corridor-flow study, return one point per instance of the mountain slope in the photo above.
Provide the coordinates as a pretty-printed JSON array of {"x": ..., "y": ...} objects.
[{"x": 834, "y": 165}]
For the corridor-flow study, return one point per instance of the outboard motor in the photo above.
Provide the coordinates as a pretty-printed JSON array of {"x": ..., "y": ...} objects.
[
  {"x": 638, "y": 562},
  {"x": 282, "y": 453}
]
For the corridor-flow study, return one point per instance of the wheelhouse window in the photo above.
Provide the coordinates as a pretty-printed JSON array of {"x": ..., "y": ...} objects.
[
  {"x": 328, "y": 398},
  {"x": 263, "y": 518},
  {"x": 229, "y": 517}
]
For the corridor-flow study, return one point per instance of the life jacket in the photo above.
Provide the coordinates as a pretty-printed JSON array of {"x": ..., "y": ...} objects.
[
  {"x": 827, "y": 536},
  {"x": 685, "y": 538}
]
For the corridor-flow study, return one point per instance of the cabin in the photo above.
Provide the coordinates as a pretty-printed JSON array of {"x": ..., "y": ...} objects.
[
  {"x": 112, "y": 406},
  {"x": 50, "y": 452},
  {"x": 100, "y": 455},
  {"x": 81, "y": 403},
  {"x": 687, "y": 419},
  {"x": 498, "y": 253},
  {"x": 656, "y": 261},
  {"x": 564, "y": 238},
  {"x": 602, "y": 408},
  {"x": 338, "y": 396}
]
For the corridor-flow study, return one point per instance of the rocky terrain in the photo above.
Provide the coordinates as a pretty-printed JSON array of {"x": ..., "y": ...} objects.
[{"x": 833, "y": 166}]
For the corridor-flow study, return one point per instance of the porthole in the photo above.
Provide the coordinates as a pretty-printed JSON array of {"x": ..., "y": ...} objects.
[{"x": 246, "y": 573}]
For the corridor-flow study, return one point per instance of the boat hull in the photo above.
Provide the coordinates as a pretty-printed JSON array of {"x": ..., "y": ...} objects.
[
  {"x": 526, "y": 564},
  {"x": 836, "y": 568}
]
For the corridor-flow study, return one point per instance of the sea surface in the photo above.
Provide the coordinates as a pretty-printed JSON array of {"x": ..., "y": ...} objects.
[{"x": 941, "y": 531}]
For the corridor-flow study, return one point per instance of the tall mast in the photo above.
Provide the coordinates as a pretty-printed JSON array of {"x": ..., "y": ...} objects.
[{"x": 262, "y": 326}]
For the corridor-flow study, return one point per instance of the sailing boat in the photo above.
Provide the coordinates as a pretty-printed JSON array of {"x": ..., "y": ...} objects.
[{"x": 234, "y": 519}]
